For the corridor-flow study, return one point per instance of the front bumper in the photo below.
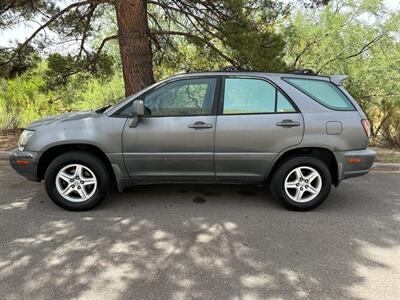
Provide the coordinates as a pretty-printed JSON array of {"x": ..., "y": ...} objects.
[
  {"x": 354, "y": 163},
  {"x": 25, "y": 163}
]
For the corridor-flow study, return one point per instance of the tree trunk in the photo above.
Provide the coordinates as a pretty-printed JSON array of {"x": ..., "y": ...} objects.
[{"x": 135, "y": 45}]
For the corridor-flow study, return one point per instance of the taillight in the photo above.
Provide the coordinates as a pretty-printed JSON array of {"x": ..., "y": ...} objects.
[{"x": 366, "y": 127}]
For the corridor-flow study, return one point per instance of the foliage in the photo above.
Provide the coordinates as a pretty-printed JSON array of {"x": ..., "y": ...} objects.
[
  {"x": 60, "y": 68},
  {"x": 358, "y": 38},
  {"x": 21, "y": 100},
  {"x": 250, "y": 35},
  {"x": 25, "y": 60},
  {"x": 28, "y": 97}
]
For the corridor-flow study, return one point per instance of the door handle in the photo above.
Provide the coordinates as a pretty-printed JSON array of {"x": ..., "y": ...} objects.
[
  {"x": 200, "y": 125},
  {"x": 288, "y": 123}
]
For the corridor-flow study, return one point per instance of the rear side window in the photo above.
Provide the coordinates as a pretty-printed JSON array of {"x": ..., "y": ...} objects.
[
  {"x": 324, "y": 92},
  {"x": 253, "y": 96},
  {"x": 283, "y": 105}
]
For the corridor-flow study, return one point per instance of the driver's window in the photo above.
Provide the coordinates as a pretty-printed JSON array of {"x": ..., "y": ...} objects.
[{"x": 188, "y": 97}]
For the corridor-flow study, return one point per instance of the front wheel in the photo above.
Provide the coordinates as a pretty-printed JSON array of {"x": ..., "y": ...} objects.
[
  {"x": 302, "y": 183},
  {"x": 77, "y": 181}
]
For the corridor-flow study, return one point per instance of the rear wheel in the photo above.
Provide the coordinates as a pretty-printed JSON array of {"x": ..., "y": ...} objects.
[
  {"x": 302, "y": 183},
  {"x": 77, "y": 181}
]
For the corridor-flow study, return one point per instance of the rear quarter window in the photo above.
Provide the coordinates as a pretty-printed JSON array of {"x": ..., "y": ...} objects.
[{"x": 324, "y": 92}]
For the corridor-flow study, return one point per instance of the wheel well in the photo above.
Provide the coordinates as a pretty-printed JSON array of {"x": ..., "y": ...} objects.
[
  {"x": 50, "y": 154},
  {"x": 323, "y": 154}
]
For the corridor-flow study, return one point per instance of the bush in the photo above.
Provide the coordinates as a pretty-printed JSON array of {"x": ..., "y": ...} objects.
[{"x": 29, "y": 97}]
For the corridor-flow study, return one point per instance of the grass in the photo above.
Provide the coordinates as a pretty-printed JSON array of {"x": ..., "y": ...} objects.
[{"x": 385, "y": 155}]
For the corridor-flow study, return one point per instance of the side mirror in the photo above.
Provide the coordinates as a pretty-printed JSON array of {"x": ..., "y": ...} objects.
[{"x": 137, "y": 113}]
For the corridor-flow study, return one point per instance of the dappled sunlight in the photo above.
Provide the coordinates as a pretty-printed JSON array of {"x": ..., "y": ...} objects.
[
  {"x": 130, "y": 253},
  {"x": 383, "y": 263},
  {"x": 156, "y": 242},
  {"x": 15, "y": 205}
]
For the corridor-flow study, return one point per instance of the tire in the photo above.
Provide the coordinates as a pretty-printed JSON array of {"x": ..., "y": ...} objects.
[
  {"x": 79, "y": 194},
  {"x": 291, "y": 188}
]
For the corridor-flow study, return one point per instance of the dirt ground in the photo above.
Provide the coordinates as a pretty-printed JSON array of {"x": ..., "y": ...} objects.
[{"x": 9, "y": 139}]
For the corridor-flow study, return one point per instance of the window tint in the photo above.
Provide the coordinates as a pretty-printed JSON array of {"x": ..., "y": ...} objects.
[
  {"x": 243, "y": 96},
  {"x": 323, "y": 92},
  {"x": 180, "y": 98},
  {"x": 283, "y": 104}
]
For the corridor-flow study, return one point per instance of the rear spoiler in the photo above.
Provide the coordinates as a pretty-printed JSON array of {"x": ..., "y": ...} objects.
[{"x": 337, "y": 79}]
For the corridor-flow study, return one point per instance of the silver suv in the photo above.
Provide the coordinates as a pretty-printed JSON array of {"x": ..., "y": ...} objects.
[{"x": 299, "y": 133}]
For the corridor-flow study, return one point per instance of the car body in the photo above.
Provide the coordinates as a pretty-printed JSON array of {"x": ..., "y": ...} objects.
[{"x": 205, "y": 128}]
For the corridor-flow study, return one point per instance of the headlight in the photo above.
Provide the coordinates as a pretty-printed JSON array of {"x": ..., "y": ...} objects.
[{"x": 24, "y": 139}]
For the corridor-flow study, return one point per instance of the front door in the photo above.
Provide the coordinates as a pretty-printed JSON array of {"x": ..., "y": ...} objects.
[
  {"x": 174, "y": 141},
  {"x": 256, "y": 121}
]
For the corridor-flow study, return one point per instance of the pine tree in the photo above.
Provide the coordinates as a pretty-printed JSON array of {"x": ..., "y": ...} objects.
[{"x": 241, "y": 32}]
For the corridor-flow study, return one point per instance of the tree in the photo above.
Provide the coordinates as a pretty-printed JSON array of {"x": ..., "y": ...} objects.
[
  {"x": 142, "y": 26},
  {"x": 358, "y": 38}
]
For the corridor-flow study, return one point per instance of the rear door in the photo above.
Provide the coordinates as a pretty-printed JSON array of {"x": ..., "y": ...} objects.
[{"x": 255, "y": 122}]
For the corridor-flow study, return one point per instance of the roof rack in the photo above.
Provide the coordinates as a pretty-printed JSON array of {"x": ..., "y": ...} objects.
[
  {"x": 230, "y": 69},
  {"x": 223, "y": 69},
  {"x": 303, "y": 72},
  {"x": 239, "y": 69}
]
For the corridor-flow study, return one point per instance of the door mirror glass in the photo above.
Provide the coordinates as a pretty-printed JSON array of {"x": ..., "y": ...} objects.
[{"x": 137, "y": 113}]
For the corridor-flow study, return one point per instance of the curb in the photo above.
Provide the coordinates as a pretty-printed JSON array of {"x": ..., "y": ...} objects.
[
  {"x": 376, "y": 166},
  {"x": 4, "y": 155},
  {"x": 386, "y": 166}
]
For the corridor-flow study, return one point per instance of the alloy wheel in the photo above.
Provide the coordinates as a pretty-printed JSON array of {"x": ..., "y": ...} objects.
[
  {"x": 303, "y": 184},
  {"x": 76, "y": 183}
]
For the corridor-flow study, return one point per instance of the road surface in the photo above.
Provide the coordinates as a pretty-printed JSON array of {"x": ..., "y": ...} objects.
[{"x": 201, "y": 242}]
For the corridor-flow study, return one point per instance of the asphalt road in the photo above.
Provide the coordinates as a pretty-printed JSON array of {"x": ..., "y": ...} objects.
[{"x": 201, "y": 242}]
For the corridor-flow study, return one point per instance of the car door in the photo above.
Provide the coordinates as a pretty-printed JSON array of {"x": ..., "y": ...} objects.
[
  {"x": 174, "y": 141},
  {"x": 255, "y": 122}
]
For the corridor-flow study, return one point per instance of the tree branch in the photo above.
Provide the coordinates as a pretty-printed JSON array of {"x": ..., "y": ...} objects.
[
  {"x": 362, "y": 50},
  {"x": 50, "y": 21},
  {"x": 9, "y": 6},
  {"x": 109, "y": 38},
  {"x": 203, "y": 40},
  {"x": 89, "y": 15},
  {"x": 181, "y": 11}
]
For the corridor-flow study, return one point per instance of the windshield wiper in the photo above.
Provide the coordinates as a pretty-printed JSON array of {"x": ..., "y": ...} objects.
[{"x": 102, "y": 109}]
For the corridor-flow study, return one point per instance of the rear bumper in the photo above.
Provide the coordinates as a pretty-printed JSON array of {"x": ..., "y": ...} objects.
[
  {"x": 354, "y": 163},
  {"x": 29, "y": 167}
]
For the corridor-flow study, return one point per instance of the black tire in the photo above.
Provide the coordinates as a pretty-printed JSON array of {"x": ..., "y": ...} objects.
[
  {"x": 278, "y": 182},
  {"x": 88, "y": 160}
]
